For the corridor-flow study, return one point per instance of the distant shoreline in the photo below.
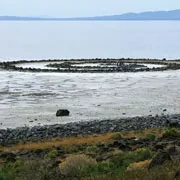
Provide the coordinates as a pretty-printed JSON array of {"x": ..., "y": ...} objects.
[
  {"x": 173, "y": 15},
  {"x": 83, "y": 20}
]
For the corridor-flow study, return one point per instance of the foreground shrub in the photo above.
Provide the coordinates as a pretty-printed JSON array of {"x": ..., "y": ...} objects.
[
  {"x": 117, "y": 166},
  {"x": 76, "y": 165},
  {"x": 116, "y": 136},
  {"x": 170, "y": 132},
  {"x": 51, "y": 154},
  {"x": 7, "y": 173},
  {"x": 151, "y": 136},
  {"x": 31, "y": 170},
  {"x": 104, "y": 177},
  {"x": 10, "y": 170},
  {"x": 143, "y": 154},
  {"x": 165, "y": 172},
  {"x": 92, "y": 149},
  {"x": 125, "y": 159}
]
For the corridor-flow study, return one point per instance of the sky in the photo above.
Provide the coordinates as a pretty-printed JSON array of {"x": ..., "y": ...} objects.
[{"x": 80, "y": 8}]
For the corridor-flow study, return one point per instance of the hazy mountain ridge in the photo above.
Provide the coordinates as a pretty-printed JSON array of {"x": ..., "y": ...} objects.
[{"x": 156, "y": 15}]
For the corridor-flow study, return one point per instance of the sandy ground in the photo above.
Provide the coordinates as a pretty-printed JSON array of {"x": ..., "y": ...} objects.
[{"x": 26, "y": 97}]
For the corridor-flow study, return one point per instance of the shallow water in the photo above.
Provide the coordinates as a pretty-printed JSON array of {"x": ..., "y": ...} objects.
[
  {"x": 116, "y": 39},
  {"x": 25, "y": 97}
]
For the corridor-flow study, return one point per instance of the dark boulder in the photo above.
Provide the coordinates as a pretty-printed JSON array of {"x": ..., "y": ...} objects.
[
  {"x": 62, "y": 112},
  {"x": 104, "y": 149},
  {"x": 160, "y": 159},
  {"x": 174, "y": 124},
  {"x": 158, "y": 147},
  {"x": 8, "y": 156},
  {"x": 173, "y": 150},
  {"x": 119, "y": 144},
  {"x": 177, "y": 175}
]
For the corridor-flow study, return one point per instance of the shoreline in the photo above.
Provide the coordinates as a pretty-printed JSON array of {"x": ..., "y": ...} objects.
[
  {"x": 90, "y": 127},
  {"x": 11, "y": 136}
]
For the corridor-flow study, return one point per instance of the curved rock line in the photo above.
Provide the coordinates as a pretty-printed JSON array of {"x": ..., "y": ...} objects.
[{"x": 94, "y": 65}]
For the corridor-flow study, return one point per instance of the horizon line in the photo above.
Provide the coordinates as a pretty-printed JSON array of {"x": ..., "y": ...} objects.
[{"x": 94, "y": 16}]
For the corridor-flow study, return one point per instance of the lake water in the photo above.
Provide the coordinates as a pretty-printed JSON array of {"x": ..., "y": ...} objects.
[
  {"x": 53, "y": 40},
  {"x": 33, "y": 98}
]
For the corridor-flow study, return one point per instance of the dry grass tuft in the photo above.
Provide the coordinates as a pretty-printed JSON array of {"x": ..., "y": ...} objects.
[
  {"x": 80, "y": 140},
  {"x": 139, "y": 165},
  {"x": 63, "y": 142},
  {"x": 74, "y": 165}
]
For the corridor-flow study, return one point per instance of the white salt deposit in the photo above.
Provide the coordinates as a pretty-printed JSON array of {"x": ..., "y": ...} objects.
[{"x": 25, "y": 97}]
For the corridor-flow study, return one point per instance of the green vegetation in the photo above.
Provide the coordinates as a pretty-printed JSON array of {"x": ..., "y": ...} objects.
[
  {"x": 79, "y": 166},
  {"x": 116, "y": 136},
  {"x": 170, "y": 132},
  {"x": 151, "y": 136},
  {"x": 94, "y": 157},
  {"x": 39, "y": 169}
]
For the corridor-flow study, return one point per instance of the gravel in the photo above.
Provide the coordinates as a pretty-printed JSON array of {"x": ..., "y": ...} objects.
[{"x": 10, "y": 136}]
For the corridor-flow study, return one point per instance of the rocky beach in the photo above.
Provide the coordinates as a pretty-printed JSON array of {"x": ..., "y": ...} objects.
[{"x": 11, "y": 136}]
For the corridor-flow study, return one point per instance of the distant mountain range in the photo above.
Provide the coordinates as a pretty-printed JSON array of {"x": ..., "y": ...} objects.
[{"x": 156, "y": 15}]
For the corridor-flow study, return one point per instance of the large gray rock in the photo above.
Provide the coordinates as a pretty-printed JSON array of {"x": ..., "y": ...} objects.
[{"x": 62, "y": 112}]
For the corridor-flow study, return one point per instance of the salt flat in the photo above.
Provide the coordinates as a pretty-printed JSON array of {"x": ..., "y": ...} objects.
[{"x": 27, "y": 97}]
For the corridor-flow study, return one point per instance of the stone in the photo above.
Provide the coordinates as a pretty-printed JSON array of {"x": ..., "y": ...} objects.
[
  {"x": 160, "y": 159},
  {"x": 158, "y": 147},
  {"x": 174, "y": 124},
  {"x": 119, "y": 144},
  {"x": 62, "y": 112},
  {"x": 9, "y": 136},
  {"x": 177, "y": 175},
  {"x": 173, "y": 150},
  {"x": 11, "y": 157}
]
